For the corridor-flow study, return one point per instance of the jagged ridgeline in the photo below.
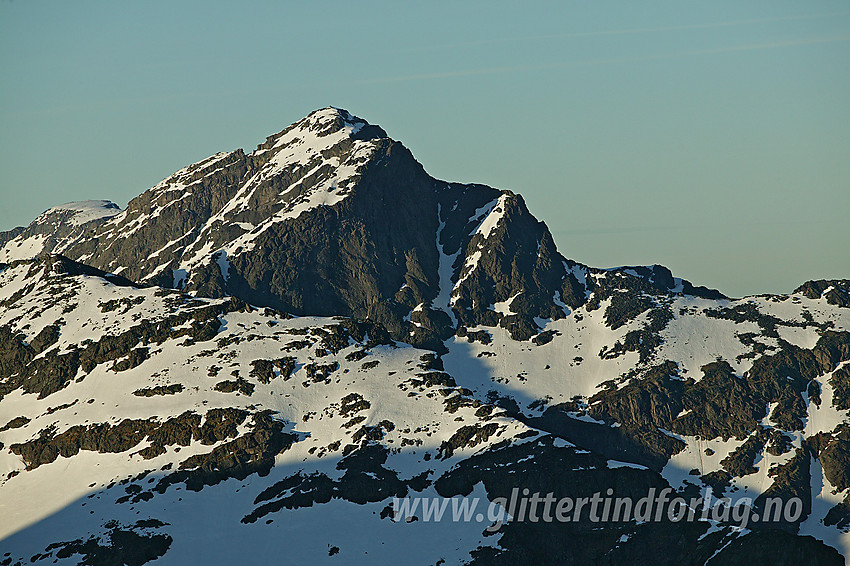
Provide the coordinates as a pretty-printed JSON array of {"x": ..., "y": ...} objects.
[
  {"x": 259, "y": 353},
  {"x": 332, "y": 217}
]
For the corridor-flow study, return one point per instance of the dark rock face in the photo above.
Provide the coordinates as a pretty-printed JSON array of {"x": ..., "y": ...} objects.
[
  {"x": 467, "y": 437},
  {"x": 159, "y": 390},
  {"x": 634, "y": 417},
  {"x": 251, "y": 453},
  {"x": 133, "y": 545},
  {"x": 740, "y": 462},
  {"x": 725, "y": 406},
  {"x": 833, "y": 451},
  {"x": 835, "y": 291},
  {"x": 219, "y": 424},
  {"x": 517, "y": 260},
  {"x": 791, "y": 480},
  {"x": 365, "y": 480},
  {"x": 266, "y": 370},
  {"x": 112, "y": 247},
  {"x": 17, "y": 422},
  {"x": 352, "y": 258},
  {"x": 642, "y": 408}
]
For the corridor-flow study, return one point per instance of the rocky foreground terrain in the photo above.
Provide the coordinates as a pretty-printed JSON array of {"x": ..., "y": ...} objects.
[{"x": 249, "y": 362}]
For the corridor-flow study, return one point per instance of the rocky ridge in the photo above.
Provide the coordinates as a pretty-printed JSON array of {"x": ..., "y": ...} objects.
[{"x": 352, "y": 226}]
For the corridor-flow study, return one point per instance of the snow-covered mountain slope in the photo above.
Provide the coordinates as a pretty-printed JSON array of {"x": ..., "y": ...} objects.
[
  {"x": 139, "y": 413},
  {"x": 260, "y": 352},
  {"x": 192, "y": 397},
  {"x": 55, "y": 229}
]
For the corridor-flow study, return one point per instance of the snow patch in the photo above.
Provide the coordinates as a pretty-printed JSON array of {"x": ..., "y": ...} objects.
[
  {"x": 613, "y": 464},
  {"x": 504, "y": 307},
  {"x": 446, "y": 271},
  {"x": 179, "y": 278},
  {"x": 88, "y": 210},
  {"x": 223, "y": 264},
  {"x": 22, "y": 248},
  {"x": 495, "y": 211}
]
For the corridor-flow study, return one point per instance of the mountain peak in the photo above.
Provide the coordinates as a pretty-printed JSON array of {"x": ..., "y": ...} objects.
[
  {"x": 80, "y": 212},
  {"x": 322, "y": 128},
  {"x": 330, "y": 117},
  {"x": 55, "y": 228},
  {"x": 329, "y": 120}
]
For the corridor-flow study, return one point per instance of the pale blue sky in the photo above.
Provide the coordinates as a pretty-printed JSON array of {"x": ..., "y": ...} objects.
[{"x": 711, "y": 137}]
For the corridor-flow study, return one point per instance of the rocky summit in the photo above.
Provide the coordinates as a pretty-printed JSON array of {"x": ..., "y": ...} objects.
[{"x": 267, "y": 354}]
